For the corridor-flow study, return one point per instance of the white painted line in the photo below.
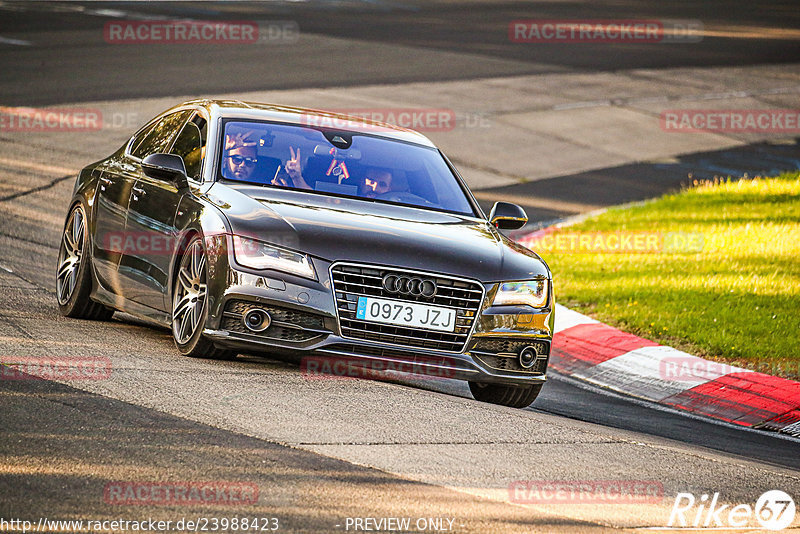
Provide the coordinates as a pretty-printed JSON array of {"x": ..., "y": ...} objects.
[
  {"x": 106, "y": 13},
  {"x": 577, "y": 105},
  {"x": 17, "y": 42}
]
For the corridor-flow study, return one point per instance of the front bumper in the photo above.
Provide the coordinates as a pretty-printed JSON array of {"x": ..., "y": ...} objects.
[
  {"x": 306, "y": 327},
  {"x": 380, "y": 358}
]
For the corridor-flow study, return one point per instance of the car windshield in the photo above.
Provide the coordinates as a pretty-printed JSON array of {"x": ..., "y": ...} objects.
[{"x": 340, "y": 163}]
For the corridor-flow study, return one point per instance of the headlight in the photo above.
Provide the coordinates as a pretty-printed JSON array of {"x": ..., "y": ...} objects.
[
  {"x": 258, "y": 255},
  {"x": 530, "y": 292}
]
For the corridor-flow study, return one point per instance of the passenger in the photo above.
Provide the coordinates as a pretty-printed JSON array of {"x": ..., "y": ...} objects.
[
  {"x": 294, "y": 172},
  {"x": 377, "y": 180}
]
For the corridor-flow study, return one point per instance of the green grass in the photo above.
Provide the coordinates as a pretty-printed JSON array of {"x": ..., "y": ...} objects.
[{"x": 734, "y": 298}]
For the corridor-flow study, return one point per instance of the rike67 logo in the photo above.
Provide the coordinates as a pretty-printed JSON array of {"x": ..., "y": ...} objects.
[{"x": 774, "y": 510}]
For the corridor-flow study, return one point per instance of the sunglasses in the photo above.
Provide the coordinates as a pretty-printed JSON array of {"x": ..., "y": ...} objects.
[
  {"x": 238, "y": 160},
  {"x": 378, "y": 183}
]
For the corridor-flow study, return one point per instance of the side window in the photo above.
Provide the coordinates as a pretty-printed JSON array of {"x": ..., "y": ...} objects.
[
  {"x": 190, "y": 145},
  {"x": 141, "y": 136},
  {"x": 156, "y": 138}
]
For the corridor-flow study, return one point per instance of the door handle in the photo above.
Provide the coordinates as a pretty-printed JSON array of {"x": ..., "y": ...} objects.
[{"x": 139, "y": 190}]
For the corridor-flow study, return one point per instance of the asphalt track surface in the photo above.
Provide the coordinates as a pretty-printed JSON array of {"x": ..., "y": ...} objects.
[
  {"x": 323, "y": 450},
  {"x": 71, "y": 61}
]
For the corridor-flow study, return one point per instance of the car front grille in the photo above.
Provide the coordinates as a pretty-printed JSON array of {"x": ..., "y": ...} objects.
[
  {"x": 286, "y": 325},
  {"x": 353, "y": 281}
]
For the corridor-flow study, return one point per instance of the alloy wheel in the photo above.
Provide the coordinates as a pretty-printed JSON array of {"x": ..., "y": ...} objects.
[
  {"x": 190, "y": 293},
  {"x": 70, "y": 254}
]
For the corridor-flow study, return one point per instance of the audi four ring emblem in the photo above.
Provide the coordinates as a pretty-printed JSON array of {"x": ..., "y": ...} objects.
[{"x": 409, "y": 285}]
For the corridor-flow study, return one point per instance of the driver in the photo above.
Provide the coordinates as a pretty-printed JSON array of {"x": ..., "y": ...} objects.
[
  {"x": 377, "y": 181},
  {"x": 241, "y": 156}
]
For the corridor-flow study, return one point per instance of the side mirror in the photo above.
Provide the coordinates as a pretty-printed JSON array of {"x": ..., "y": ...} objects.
[
  {"x": 166, "y": 167},
  {"x": 507, "y": 216}
]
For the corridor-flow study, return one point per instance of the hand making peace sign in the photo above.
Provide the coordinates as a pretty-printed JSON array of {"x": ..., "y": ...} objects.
[{"x": 294, "y": 170}]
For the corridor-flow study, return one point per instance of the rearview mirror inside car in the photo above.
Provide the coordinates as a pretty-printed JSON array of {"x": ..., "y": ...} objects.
[{"x": 322, "y": 150}]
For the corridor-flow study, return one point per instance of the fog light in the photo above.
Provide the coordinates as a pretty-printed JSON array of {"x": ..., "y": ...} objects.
[
  {"x": 527, "y": 357},
  {"x": 256, "y": 320}
]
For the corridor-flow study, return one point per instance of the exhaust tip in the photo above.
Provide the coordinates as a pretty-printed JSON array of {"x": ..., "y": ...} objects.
[
  {"x": 256, "y": 320},
  {"x": 527, "y": 357}
]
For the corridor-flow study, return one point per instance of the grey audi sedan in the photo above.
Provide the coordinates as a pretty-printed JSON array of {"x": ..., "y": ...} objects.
[{"x": 254, "y": 228}]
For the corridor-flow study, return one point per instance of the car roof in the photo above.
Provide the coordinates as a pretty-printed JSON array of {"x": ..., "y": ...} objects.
[{"x": 237, "y": 109}]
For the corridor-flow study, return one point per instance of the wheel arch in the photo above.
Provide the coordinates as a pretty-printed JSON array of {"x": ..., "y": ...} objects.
[
  {"x": 182, "y": 243},
  {"x": 197, "y": 217}
]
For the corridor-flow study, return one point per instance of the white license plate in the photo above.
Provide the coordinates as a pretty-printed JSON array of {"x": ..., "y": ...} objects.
[{"x": 411, "y": 314}]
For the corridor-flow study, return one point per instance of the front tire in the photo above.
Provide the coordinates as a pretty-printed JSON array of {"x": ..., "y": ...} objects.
[
  {"x": 513, "y": 396},
  {"x": 190, "y": 305},
  {"x": 73, "y": 276}
]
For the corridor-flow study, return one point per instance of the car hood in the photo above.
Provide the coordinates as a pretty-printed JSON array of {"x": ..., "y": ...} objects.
[{"x": 341, "y": 229}]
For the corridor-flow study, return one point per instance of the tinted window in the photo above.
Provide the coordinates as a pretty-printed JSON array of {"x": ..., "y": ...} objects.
[
  {"x": 156, "y": 138},
  {"x": 137, "y": 139},
  {"x": 190, "y": 145},
  {"x": 362, "y": 166}
]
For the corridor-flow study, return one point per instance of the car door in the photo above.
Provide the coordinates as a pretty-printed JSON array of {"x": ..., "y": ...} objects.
[
  {"x": 143, "y": 235},
  {"x": 151, "y": 214},
  {"x": 111, "y": 205}
]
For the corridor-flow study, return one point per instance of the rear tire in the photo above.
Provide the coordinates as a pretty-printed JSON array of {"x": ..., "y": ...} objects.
[
  {"x": 513, "y": 396},
  {"x": 73, "y": 275},
  {"x": 190, "y": 306}
]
